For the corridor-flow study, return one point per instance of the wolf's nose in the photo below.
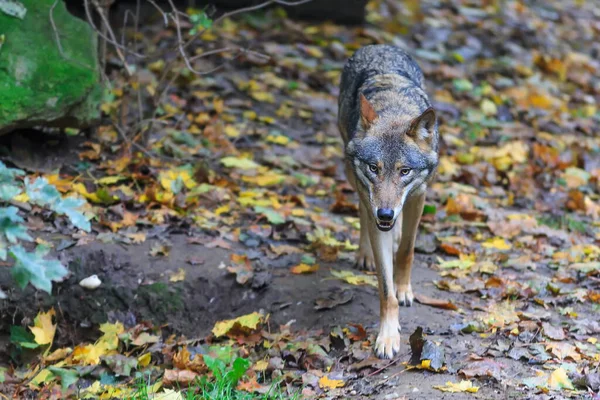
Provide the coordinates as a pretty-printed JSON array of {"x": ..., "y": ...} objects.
[{"x": 385, "y": 214}]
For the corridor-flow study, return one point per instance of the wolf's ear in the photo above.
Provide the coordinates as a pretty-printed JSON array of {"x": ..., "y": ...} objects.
[
  {"x": 367, "y": 113},
  {"x": 422, "y": 128}
]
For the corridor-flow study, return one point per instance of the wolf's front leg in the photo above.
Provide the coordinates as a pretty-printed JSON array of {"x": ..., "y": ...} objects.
[
  {"x": 388, "y": 339},
  {"x": 411, "y": 215},
  {"x": 364, "y": 257}
]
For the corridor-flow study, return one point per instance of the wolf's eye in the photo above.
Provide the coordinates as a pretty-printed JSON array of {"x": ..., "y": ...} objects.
[
  {"x": 373, "y": 168},
  {"x": 405, "y": 171}
]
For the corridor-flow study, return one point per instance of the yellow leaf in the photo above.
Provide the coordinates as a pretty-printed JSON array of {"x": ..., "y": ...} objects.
[
  {"x": 232, "y": 131},
  {"x": 42, "y": 377},
  {"x": 268, "y": 179},
  {"x": 178, "y": 276},
  {"x": 261, "y": 365},
  {"x": 278, "y": 139},
  {"x": 168, "y": 177},
  {"x": 80, "y": 188},
  {"x": 263, "y": 96},
  {"x": 240, "y": 163},
  {"x": 144, "y": 359},
  {"x": 223, "y": 209},
  {"x": 43, "y": 329},
  {"x": 497, "y": 243},
  {"x": 304, "y": 269},
  {"x": 59, "y": 354},
  {"x": 110, "y": 339},
  {"x": 90, "y": 354},
  {"x": 559, "y": 380},
  {"x": 462, "y": 386},
  {"x": 110, "y": 180},
  {"x": 325, "y": 382},
  {"x": 169, "y": 394},
  {"x": 353, "y": 279},
  {"x": 249, "y": 321}
]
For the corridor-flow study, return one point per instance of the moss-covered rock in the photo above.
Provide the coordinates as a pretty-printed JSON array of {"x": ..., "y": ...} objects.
[{"x": 40, "y": 84}]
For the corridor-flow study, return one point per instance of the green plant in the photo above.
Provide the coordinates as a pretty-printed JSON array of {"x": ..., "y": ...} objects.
[
  {"x": 221, "y": 387},
  {"x": 32, "y": 266}
]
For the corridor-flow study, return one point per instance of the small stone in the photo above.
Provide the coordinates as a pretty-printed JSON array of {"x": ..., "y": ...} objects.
[{"x": 91, "y": 282}]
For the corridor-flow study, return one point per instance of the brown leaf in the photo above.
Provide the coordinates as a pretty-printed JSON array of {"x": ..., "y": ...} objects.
[
  {"x": 485, "y": 367},
  {"x": 183, "y": 359},
  {"x": 553, "y": 332},
  {"x": 304, "y": 269},
  {"x": 218, "y": 242},
  {"x": 179, "y": 378},
  {"x": 356, "y": 332},
  {"x": 429, "y": 301}
]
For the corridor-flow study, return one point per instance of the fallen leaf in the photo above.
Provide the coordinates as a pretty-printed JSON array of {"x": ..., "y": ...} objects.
[
  {"x": 553, "y": 332},
  {"x": 559, "y": 380},
  {"x": 483, "y": 368},
  {"x": 335, "y": 298},
  {"x": 445, "y": 304},
  {"x": 173, "y": 377},
  {"x": 304, "y": 269},
  {"x": 145, "y": 338},
  {"x": 356, "y": 332},
  {"x": 247, "y": 322},
  {"x": 355, "y": 279},
  {"x": 178, "y": 276},
  {"x": 43, "y": 329},
  {"x": 325, "y": 382},
  {"x": 462, "y": 386}
]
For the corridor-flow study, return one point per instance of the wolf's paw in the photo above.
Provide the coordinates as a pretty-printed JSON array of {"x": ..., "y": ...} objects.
[
  {"x": 365, "y": 259},
  {"x": 404, "y": 294},
  {"x": 387, "y": 344}
]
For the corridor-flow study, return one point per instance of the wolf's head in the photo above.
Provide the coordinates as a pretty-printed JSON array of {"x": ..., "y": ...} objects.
[{"x": 393, "y": 157}]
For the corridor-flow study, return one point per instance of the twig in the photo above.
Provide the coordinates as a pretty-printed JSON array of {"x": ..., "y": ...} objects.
[{"x": 388, "y": 365}]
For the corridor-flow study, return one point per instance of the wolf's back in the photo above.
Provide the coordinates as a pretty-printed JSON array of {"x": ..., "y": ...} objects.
[{"x": 363, "y": 69}]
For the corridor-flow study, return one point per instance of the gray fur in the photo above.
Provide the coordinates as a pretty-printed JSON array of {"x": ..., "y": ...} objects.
[{"x": 393, "y": 84}]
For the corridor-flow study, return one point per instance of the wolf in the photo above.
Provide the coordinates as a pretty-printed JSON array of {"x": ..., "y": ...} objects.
[{"x": 390, "y": 134}]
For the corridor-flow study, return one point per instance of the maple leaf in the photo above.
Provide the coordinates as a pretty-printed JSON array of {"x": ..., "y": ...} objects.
[
  {"x": 355, "y": 279},
  {"x": 304, "y": 269},
  {"x": 326, "y": 382},
  {"x": 462, "y": 386},
  {"x": 43, "y": 329},
  {"x": 249, "y": 322}
]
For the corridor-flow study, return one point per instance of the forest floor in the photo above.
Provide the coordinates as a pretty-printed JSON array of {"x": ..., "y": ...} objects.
[{"x": 239, "y": 208}]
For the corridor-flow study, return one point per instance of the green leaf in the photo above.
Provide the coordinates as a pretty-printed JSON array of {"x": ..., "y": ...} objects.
[
  {"x": 272, "y": 216},
  {"x": 11, "y": 225},
  {"x": 2, "y": 374},
  {"x": 429, "y": 209},
  {"x": 239, "y": 368},
  {"x": 13, "y": 8},
  {"x": 240, "y": 163},
  {"x": 308, "y": 259},
  {"x": 69, "y": 207},
  {"x": 41, "y": 193},
  {"x": 33, "y": 268},
  {"x": 8, "y": 192},
  {"x": 462, "y": 85},
  {"x": 216, "y": 366},
  {"x": 44, "y": 194},
  {"x": 22, "y": 337},
  {"x": 8, "y": 175},
  {"x": 67, "y": 376}
]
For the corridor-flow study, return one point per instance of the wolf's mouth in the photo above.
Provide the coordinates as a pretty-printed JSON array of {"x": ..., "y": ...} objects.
[{"x": 385, "y": 226}]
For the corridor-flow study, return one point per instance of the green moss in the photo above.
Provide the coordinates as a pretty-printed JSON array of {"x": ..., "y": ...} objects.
[
  {"x": 161, "y": 299},
  {"x": 38, "y": 82}
]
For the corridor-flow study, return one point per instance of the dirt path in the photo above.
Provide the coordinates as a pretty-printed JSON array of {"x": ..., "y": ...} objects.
[{"x": 510, "y": 238}]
